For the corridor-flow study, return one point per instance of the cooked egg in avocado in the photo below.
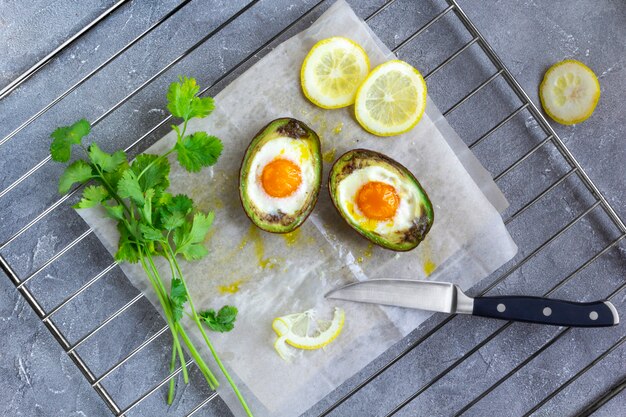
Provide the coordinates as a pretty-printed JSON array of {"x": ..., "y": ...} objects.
[
  {"x": 280, "y": 175},
  {"x": 380, "y": 199}
]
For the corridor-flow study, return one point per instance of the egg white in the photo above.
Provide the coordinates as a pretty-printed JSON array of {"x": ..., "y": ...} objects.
[
  {"x": 408, "y": 209},
  {"x": 293, "y": 150}
]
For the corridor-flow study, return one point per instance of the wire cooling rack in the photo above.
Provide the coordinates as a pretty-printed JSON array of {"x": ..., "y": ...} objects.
[{"x": 535, "y": 153}]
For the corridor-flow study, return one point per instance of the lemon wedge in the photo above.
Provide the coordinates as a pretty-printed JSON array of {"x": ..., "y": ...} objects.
[
  {"x": 302, "y": 331},
  {"x": 332, "y": 72},
  {"x": 569, "y": 92},
  {"x": 391, "y": 100}
]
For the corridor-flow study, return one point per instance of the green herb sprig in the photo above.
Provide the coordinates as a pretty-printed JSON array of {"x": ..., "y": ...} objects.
[{"x": 151, "y": 221}]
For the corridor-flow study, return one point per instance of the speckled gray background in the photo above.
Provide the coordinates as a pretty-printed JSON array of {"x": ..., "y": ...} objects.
[{"x": 38, "y": 379}]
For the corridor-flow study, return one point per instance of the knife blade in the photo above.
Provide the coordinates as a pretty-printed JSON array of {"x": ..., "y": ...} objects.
[{"x": 446, "y": 297}]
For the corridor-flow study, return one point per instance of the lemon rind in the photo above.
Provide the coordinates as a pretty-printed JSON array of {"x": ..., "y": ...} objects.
[
  {"x": 283, "y": 338},
  {"x": 336, "y": 333}
]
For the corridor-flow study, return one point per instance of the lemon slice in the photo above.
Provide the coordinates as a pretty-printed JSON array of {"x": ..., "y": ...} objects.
[
  {"x": 302, "y": 331},
  {"x": 391, "y": 100},
  {"x": 332, "y": 71},
  {"x": 569, "y": 92}
]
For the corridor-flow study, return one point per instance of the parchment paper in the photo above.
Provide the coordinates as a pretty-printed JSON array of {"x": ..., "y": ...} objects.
[{"x": 267, "y": 275}]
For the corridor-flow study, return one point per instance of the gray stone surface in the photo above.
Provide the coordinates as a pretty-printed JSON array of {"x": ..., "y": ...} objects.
[{"x": 38, "y": 379}]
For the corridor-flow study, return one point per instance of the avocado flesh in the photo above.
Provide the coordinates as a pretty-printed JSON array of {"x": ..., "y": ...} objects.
[
  {"x": 400, "y": 240},
  {"x": 280, "y": 222}
]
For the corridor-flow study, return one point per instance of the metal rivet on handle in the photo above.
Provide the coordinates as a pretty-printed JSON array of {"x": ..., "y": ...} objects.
[
  {"x": 501, "y": 307},
  {"x": 547, "y": 311},
  {"x": 593, "y": 315}
]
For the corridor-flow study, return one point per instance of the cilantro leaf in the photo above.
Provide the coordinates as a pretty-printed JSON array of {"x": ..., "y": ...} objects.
[
  {"x": 127, "y": 249},
  {"x": 189, "y": 239},
  {"x": 154, "y": 171},
  {"x": 128, "y": 187},
  {"x": 183, "y": 101},
  {"x": 180, "y": 235},
  {"x": 200, "y": 227},
  {"x": 171, "y": 221},
  {"x": 174, "y": 212},
  {"x": 150, "y": 233},
  {"x": 177, "y": 289},
  {"x": 194, "y": 251},
  {"x": 107, "y": 162},
  {"x": 164, "y": 199},
  {"x": 179, "y": 97},
  {"x": 222, "y": 321},
  {"x": 198, "y": 150},
  {"x": 178, "y": 298},
  {"x": 113, "y": 178},
  {"x": 202, "y": 107},
  {"x": 181, "y": 203},
  {"x": 66, "y": 136},
  {"x": 92, "y": 196},
  {"x": 115, "y": 212},
  {"x": 79, "y": 171}
]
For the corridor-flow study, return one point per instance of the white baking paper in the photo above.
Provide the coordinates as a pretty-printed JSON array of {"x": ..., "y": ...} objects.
[{"x": 268, "y": 275}]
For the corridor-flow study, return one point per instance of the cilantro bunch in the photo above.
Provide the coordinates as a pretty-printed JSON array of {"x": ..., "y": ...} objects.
[{"x": 153, "y": 222}]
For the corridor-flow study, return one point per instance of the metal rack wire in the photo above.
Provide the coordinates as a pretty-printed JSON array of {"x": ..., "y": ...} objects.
[{"x": 551, "y": 138}]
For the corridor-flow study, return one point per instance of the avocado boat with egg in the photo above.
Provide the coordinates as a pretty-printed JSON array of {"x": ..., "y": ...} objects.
[
  {"x": 381, "y": 199},
  {"x": 280, "y": 175}
]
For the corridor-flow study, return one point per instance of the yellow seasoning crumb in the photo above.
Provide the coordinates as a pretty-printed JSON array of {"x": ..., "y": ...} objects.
[
  {"x": 367, "y": 253},
  {"x": 429, "y": 267},
  {"x": 259, "y": 249},
  {"x": 337, "y": 130},
  {"x": 270, "y": 263},
  {"x": 255, "y": 238},
  {"x": 369, "y": 250},
  {"x": 320, "y": 121},
  {"x": 210, "y": 234},
  {"x": 218, "y": 204},
  {"x": 231, "y": 288},
  {"x": 329, "y": 155},
  {"x": 292, "y": 237},
  {"x": 243, "y": 243}
]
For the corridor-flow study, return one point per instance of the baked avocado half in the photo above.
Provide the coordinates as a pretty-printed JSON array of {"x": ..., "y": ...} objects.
[
  {"x": 280, "y": 175},
  {"x": 380, "y": 199}
]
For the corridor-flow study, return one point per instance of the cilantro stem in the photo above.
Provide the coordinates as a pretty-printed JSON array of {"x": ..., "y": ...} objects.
[
  {"x": 166, "y": 154},
  {"x": 171, "y": 391},
  {"x": 208, "y": 375},
  {"x": 167, "y": 312},
  {"x": 213, "y": 382},
  {"x": 110, "y": 189},
  {"x": 172, "y": 258}
]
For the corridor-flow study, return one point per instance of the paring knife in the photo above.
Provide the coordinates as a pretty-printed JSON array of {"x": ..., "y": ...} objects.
[{"x": 448, "y": 298}]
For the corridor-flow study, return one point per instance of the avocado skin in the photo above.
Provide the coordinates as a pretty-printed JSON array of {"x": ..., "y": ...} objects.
[
  {"x": 281, "y": 222},
  {"x": 361, "y": 158}
]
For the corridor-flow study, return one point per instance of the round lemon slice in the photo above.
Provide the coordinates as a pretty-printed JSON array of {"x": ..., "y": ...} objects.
[
  {"x": 391, "y": 100},
  {"x": 332, "y": 72},
  {"x": 302, "y": 331},
  {"x": 569, "y": 92}
]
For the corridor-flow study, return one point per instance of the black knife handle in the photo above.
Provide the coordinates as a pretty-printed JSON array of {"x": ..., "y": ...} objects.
[{"x": 547, "y": 311}]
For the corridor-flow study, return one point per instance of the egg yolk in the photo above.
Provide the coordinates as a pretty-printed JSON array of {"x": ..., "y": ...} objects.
[
  {"x": 377, "y": 200},
  {"x": 281, "y": 178}
]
